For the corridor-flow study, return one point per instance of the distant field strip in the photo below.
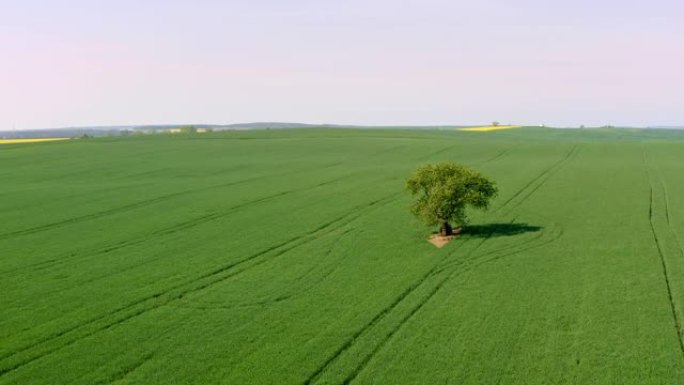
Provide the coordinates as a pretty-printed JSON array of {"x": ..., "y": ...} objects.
[
  {"x": 487, "y": 128},
  {"x": 35, "y": 140}
]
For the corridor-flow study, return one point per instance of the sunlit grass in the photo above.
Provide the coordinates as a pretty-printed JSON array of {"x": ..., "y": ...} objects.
[
  {"x": 30, "y": 140},
  {"x": 487, "y": 128}
]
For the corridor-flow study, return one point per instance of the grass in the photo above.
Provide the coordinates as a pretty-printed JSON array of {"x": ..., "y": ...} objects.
[{"x": 289, "y": 257}]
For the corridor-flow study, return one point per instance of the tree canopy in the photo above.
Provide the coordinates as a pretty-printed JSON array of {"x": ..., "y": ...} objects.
[{"x": 444, "y": 190}]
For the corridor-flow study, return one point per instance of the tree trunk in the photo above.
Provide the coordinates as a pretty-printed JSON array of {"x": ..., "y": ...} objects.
[{"x": 446, "y": 229}]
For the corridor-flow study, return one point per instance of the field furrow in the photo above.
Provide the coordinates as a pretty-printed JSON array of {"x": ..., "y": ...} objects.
[
  {"x": 153, "y": 301},
  {"x": 291, "y": 257},
  {"x": 666, "y": 242},
  {"x": 444, "y": 270}
]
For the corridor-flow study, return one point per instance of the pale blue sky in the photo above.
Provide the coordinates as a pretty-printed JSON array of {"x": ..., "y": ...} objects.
[{"x": 77, "y": 63}]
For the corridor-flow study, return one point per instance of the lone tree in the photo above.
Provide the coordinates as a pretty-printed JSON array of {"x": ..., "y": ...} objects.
[{"x": 444, "y": 190}]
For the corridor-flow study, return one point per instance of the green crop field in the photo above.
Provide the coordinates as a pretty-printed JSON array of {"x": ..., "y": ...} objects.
[{"x": 290, "y": 257}]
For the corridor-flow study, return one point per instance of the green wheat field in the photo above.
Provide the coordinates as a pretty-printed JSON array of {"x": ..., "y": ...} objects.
[{"x": 290, "y": 257}]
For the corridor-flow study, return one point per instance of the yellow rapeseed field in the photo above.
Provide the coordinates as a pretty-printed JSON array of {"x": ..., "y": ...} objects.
[
  {"x": 487, "y": 128},
  {"x": 30, "y": 140}
]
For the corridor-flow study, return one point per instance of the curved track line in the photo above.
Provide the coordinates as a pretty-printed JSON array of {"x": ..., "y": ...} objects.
[
  {"x": 165, "y": 231},
  {"x": 524, "y": 193},
  {"x": 675, "y": 234},
  {"x": 132, "y": 206},
  {"x": 498, "y": 156},
  {"x": 359, "y": 333},
  {"x": 292, "y": 293},
  {"x": 542, "y": 178},
  {"x": 349, "y": 342},
  {"x": 173, "y": 293},
  {"x": 468, "y": 265},
  {"x": 663, "y": 259}
]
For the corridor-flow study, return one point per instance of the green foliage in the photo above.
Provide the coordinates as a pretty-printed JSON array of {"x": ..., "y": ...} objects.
[{"x": 444, "y": 190}]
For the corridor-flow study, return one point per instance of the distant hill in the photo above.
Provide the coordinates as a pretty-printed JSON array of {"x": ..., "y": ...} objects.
[
  {"x": 151, "y": 128},
  {"x": 61, "y": 132},
  {"x": 125, "y": 130},
  {"x": 257, "y": 125}
]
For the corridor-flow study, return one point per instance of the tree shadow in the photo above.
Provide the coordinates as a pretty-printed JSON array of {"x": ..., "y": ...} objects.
[{"x": 498, "y": 230}]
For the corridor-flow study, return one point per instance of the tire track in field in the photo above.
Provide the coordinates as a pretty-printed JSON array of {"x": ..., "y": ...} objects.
[
  {"x": 310, "y": 285},
  {"x": 668, "y": 215},
  {"x": 468, "y": 265},
  {"x": 151, "y": 302},
  {"x": 376, "y": 319},
  {"x": 278, "y": 194},
  {"x": 530, "y": 188},
  {"x": 122, "y": 373},
  {"x": 117, "y": 210},
  {"x": 498, "y": 156},
  {"x": 472, "y": 261},
  {"x": 144, "y": 238},
  {"x": 666, "y": 275},
  {"x": 658, "y": 240},
  {"x": 194, "y": 221},
  {"x": 388, "y": 336},
  {"x": 176, "y": 228},
  {"x": 147, "y": 202},
  {"x": 70, "y": 197},
  {"x": 329, "y": 228},
  {"x": 523, "y": 192},
  {"x": 534, "y": 241},
  {"x": 184, "y": 226},
  {"x": 165, "y": 231},
  {"x": 136, "y": 312},
  {"x": 435, "y": 153}
]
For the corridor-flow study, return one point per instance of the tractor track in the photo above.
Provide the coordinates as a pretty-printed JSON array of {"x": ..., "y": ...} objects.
[
  {"x": 13, "y": 366},
  {"x": 657, "y": 239},
  {"x": 666, "y": 276},
  {"x": 674, "y": 233},
  {"x": 533, "y": 186},
  {"x": 176, "y": 292},
  {"x": 351, "y": 376},
  {"x": 78, "y": 197},
  {"x": 126, "y": 370},
  {"x": 202, "y": 219},
  {"x": 129, "y": 207},
  {"x": 310, "y": 285},
  {"x": 151, "y": 260},
  {"x": 151, "y": 201},
  {"x": 316, "y": 374},
  {"x": 376, "y": 319},
  {"x": 497, "y": 156},
  {"x": 468, "y": 265}
]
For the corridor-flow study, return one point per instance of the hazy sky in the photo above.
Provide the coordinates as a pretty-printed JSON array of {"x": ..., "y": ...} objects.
[{"x": 119, "y": 62}]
